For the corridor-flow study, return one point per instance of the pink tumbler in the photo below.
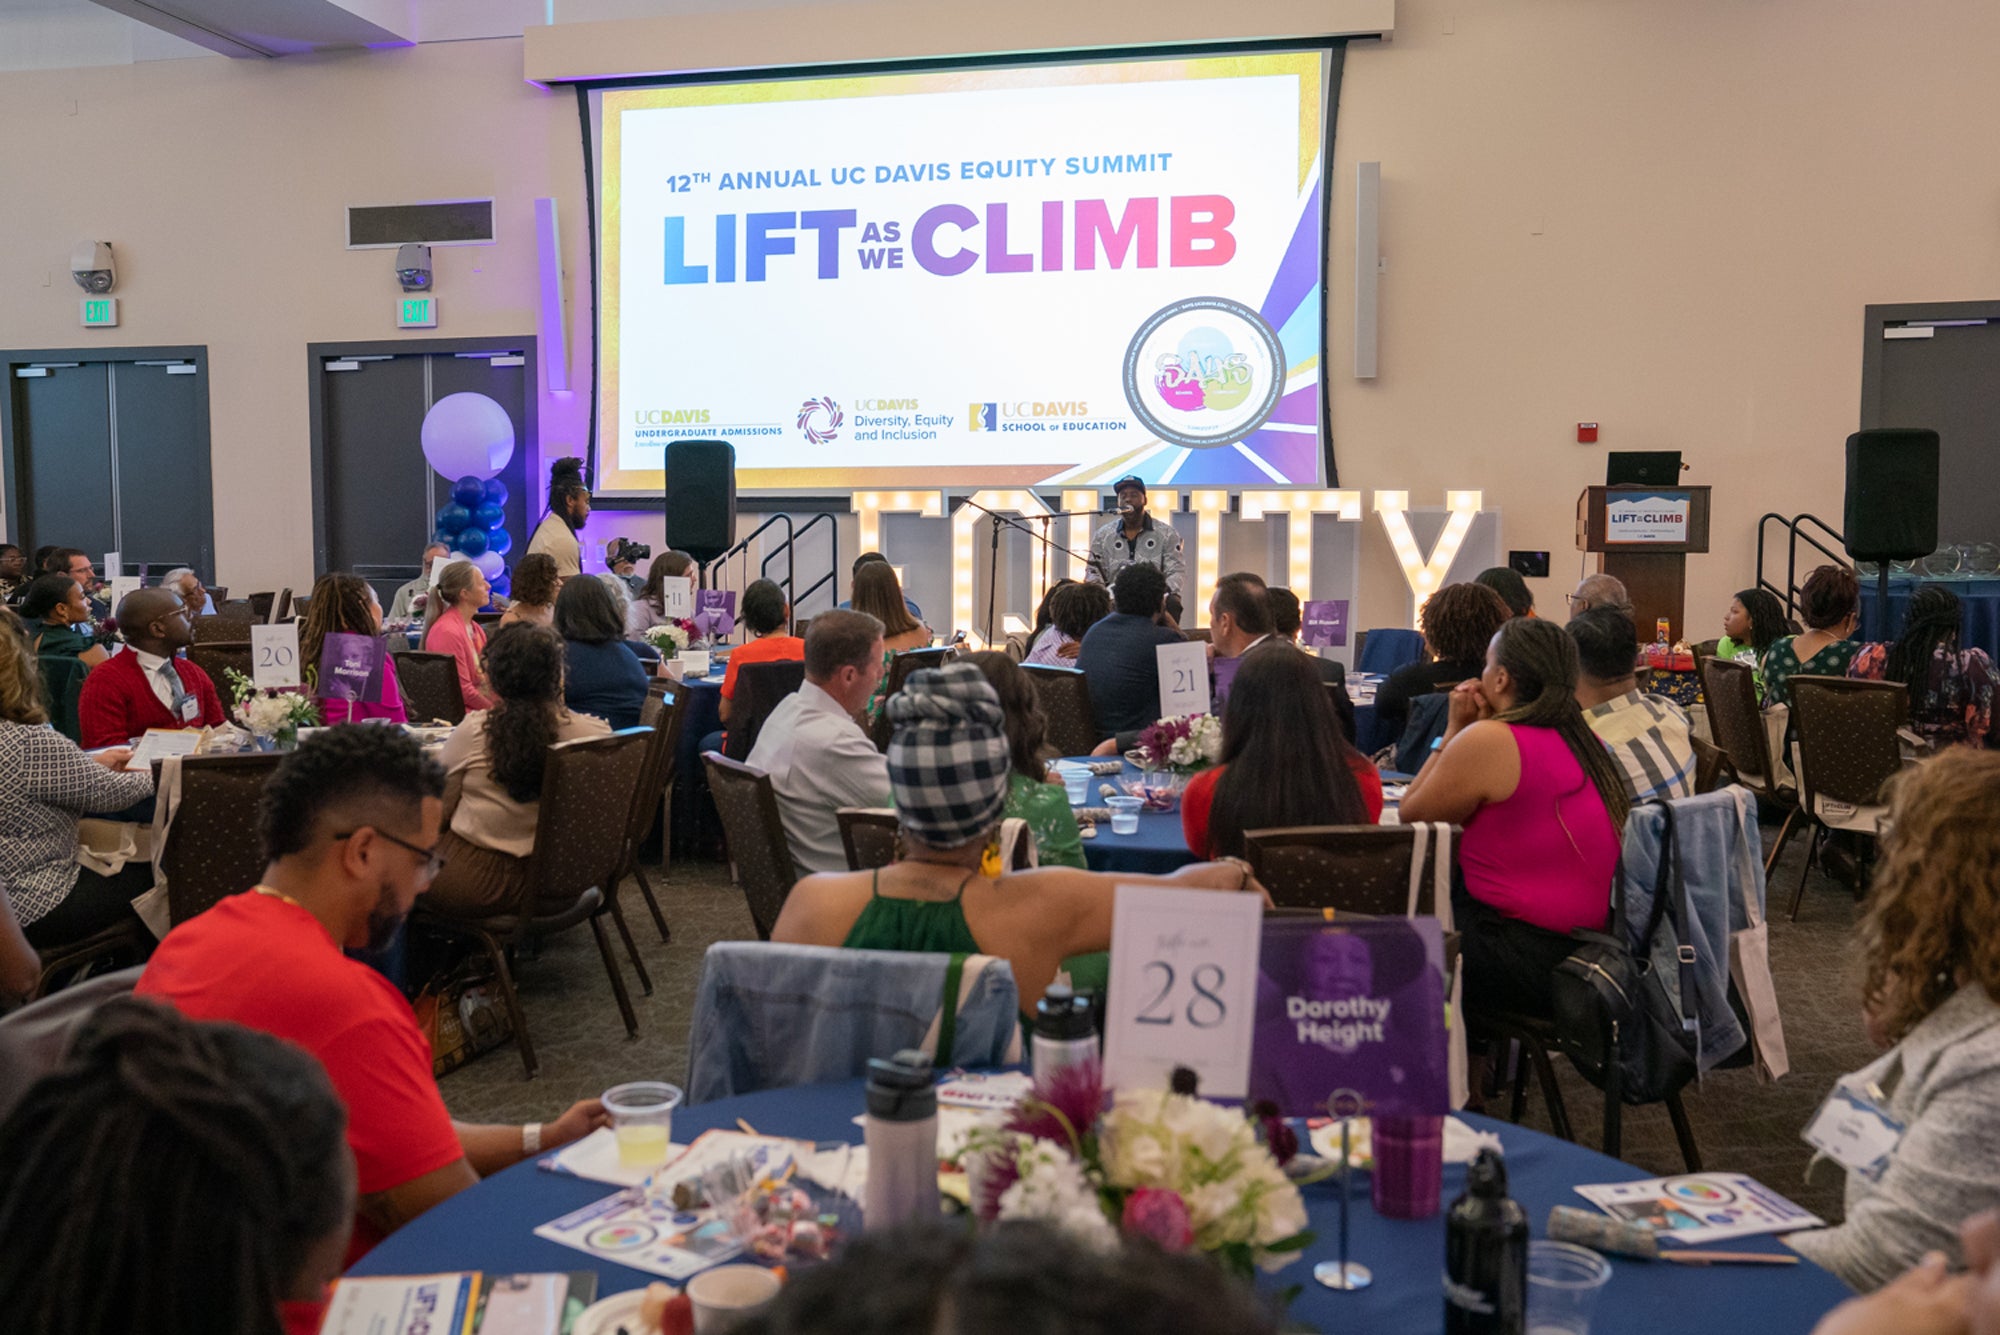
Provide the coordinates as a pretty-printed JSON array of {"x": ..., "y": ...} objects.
[{"x": 1409, "y": 1166}]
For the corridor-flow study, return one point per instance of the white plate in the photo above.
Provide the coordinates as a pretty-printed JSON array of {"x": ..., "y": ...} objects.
[{"x": 604, "y": 1316}]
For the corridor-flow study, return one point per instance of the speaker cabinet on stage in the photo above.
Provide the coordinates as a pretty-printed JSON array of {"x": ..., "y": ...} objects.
[
  {"x": 1892, "y": 494},
  {"x": 701, "y": 497}
]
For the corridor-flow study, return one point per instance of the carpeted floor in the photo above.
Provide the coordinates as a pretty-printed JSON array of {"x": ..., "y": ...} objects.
[{"x": 1740, "y": 1123}]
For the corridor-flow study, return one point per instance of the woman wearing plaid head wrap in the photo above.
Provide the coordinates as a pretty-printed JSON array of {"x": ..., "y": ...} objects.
[{"x": 948, "y": 767}]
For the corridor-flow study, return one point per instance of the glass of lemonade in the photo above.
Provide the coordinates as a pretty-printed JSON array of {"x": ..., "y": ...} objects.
[{"x": 642, "y": 1118}]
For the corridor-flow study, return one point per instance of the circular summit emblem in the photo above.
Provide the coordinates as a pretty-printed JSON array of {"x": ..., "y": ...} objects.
[{"x": 1203, "y": 372}]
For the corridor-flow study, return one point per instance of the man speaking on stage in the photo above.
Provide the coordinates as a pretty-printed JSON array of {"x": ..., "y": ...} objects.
[{"x": 1134, "y": 537}]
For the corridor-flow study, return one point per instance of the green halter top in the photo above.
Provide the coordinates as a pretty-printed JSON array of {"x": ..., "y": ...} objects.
[{"x": 913, "y": 924}]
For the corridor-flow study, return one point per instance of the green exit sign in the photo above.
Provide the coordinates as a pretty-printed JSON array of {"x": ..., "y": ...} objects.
[
  {"x": 417, "y": 313},
  {"x": 100, "y": 312}
]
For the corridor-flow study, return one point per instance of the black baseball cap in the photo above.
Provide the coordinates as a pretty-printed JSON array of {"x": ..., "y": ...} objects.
[{"x": 1129, "y": 480}]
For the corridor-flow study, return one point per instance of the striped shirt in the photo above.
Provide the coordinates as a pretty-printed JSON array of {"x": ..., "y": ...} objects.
[{"x": 1651, "y": 739}]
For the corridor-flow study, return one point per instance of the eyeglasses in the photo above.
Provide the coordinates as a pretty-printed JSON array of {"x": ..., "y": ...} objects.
[
  {"x": 1576, "y": 603},
  {"x": 433, "y": 860}
]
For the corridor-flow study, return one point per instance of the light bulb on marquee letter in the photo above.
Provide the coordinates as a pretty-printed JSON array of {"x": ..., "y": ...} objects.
[
  {"x": 1208, "y": 508},
  {"x": 1082, "y": 508},
  {"x": 1425, "y": 577},
  {"x": 963, "y": 521},
  {"x": 870, "y": 506},
  {"x": 1299, "y": 507}
]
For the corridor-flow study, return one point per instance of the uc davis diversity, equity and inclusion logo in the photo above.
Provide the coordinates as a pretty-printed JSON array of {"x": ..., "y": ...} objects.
[
  {"x": 819, "y": 420},
  {"x": 1203, "y": 372}
]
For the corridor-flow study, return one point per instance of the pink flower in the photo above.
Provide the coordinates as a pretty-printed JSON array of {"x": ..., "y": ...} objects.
[
  {"x": 1063, "y": 1107},
  {"x": 1159, "y": 1214}
]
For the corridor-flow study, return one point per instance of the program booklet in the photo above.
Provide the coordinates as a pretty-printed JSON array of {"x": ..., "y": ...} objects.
[
  {"x": 461, "y": 1303},
  {"x": 1701, "y": 1207}
]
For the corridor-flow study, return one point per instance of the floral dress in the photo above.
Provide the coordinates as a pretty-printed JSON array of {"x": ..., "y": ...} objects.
[
  {"x": 1957, "y": 700},
  {"x": 1781, "y": 665}
]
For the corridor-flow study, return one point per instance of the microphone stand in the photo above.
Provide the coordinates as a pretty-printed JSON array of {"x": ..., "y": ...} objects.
[{"x": 993, "y": 564}]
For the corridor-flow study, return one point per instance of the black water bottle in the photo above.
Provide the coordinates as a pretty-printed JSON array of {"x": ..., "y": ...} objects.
[{"x": 1486, "y": 1255}]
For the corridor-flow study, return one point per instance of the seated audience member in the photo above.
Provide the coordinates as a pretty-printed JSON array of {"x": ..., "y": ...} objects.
[
  {"x": 1287, "y": 619},
  {"x": 1930, "y": 983},
  {"x": 942, "y": 1278},
  {"x": 1458, "y": 622},
  {"x": 603, "y": 675},
  {"x": 450, "y": 629},
  {"x": 1754, "y": 622},
  {"x": 1543, "y": 806},
  {"x": 818, "y": 757},
  {"x": 343, "y": 604},
  {"x": 534, "y": 585},
  {"x": 1648, "y": 734},
  {"x": 184, "y": 1178},
  {"x": 1239, "y": 615},
  {"x": 188, "y": 586},
  {"x": 1830, "y": 605},
  {"x": 569, "y": 508},
  {"x": 1513, "y": 590},
  {"x": 878, "y": 593},
  {"x": 648, "y": 608},
  {"x": 870, "y": 558},
  {"x": 1599, "y": 591},
  {"x": 949, "y": 767},
  {"x": 1929, "y": 1298},
  {"x": 403, "y": 606},
  {"x": 621, "y": 603},
  {"x": 146, "y": 686},
  {"x": 1073, "y": 609},
  {"x": 1284, "y": 761},
  {"x": 78, "y": 566},
  {"x": 1033, "y": 794},
  {"x": 1951, "y": 688},
  {"x": 46, "y": 785},
  {"x": 493, "y": 770},
  {"x": 59, "y": 620},
  {"x": 13, "y": 571},
  {"x": 1019, "y": 643},
  {"x": 1117, "y": 652},
  {"x": 768, "y": 617},
  {"x": 349, "y": 824}
]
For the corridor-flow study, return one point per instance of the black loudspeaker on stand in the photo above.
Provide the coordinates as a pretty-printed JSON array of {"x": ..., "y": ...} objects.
[
  {"x": 700, "y": 497},
  {"x": 1892, "y": 501}
]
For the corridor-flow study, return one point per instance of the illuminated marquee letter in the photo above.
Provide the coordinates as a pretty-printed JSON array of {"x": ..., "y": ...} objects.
[
  {"x": 1082, "y": 508},
  {"x": 870, "y": 506},
  {"x": 1426, "y": 576},
  {"x": 1299, "y": 507},
  {"x": 963, "y": 521},
  {"x": 1208, "y": 508}
]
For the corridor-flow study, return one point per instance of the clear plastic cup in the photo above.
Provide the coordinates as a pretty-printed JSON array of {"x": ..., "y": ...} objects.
[
  {"x": 1124, "y": 814},
  {"x": 642, "y": 1118},
  {"x": 1564, "y": 1281},
  {"x": 1077, "y": 780}
]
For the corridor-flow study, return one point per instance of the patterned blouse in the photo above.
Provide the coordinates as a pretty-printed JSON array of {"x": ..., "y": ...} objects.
[
  {"x": 1957, "y": 701},
  {"x": 1781, "y": 665},
  {"x": 1045, "y": 807},
  {"x": 46, "y": 783}
]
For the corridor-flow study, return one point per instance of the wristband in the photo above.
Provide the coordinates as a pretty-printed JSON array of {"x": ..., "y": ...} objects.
[
  {"x": 1437, "y": 743},
  {"x": 531, "y": 1138}
]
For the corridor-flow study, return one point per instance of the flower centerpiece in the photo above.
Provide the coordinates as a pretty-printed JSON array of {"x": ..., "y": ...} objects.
[
  {"x": 1167, "y": 1166},
  {"x": 274, "y": 714},
  {"x": 1169, "y": 753},
  {"x": 671, "y": 637}
]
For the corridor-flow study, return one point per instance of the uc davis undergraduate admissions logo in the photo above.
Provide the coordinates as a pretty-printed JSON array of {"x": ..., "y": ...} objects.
[
  {"x": 819, "y": 420},
  {"x": 1203, "y": 372}
]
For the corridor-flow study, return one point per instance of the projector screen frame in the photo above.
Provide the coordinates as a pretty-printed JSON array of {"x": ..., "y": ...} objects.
[{"x": 1332, "y": 50}]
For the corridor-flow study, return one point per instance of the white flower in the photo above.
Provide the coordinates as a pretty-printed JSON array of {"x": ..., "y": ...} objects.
[
  {"x": 1052, "y": 1188},
  {"x": 667, "y": 638}
]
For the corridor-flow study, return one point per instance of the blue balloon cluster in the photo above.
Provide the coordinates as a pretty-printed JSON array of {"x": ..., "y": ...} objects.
[{"x": 471, "y": 523}]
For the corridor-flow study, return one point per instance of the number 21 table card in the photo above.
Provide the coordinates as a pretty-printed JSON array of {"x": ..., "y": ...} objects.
[{"x": 1183, "y": 988}]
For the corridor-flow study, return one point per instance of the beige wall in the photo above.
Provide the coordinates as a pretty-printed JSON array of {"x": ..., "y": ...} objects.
[{"x": 1662, "y": 217}]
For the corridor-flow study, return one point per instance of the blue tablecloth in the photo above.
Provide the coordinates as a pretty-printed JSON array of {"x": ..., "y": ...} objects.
[
  {"x": 1157, "y": 848},
  {"x": 1979, "y": 603},
  {"x": 490, "y": 1227},
  {"x": 704, "y": 716}
]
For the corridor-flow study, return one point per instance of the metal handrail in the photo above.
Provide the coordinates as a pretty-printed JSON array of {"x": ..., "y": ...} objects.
[
  {"x": 1788, "y": 594},
  {"x": 788, "y": 549}
]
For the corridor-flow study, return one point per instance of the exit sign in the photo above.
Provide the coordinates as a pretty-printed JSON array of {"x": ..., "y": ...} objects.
[
  {"x": 100, "y": 312},
  {"x": 417, "y": 313}
]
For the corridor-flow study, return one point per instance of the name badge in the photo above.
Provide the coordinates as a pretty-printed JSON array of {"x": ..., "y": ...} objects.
[
  {"x": 1854, "y": 1131},
  {"x": 190, "y": 710}
]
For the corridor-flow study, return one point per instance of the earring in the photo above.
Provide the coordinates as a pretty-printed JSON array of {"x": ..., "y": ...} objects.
[{"x": 989, "y": 861}]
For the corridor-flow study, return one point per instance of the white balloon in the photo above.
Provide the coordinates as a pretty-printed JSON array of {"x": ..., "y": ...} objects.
[
  {"x": 467, "y": 433},
  {"x": 489, "y": 563}
]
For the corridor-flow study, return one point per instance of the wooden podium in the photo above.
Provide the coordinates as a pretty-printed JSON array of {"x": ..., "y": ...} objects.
[{"x": 1642, "y": 536}]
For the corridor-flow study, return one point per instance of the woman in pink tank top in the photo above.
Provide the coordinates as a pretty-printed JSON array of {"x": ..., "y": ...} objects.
[{"x": 1543, "y": 808}]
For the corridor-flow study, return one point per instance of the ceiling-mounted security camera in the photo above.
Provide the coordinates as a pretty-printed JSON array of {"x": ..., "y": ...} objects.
[
  {"x": 90, "y": 264},
  {"x": 413, "y": 266}
]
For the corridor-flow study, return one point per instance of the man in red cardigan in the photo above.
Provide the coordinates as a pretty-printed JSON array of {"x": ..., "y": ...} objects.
[{"x": 146, "y": 686}]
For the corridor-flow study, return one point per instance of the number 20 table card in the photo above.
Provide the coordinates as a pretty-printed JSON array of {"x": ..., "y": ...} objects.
[{"x": 1183, "y": 988}]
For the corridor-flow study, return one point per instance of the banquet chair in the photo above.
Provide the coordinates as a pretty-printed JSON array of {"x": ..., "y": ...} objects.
[
  {"x": 281, "y": 609},
  {"x": 760, "y": 688},
  {"x": 211, "y": 850},
  {"x": 35, "y": 1039},
  {"x": 1200, "y": 634},
  {"x": 126, "y": 941},
  {"x": 1388, "y": 648},
  {"x": 663, "y": 710},
  {"x": 301, "y": 606},
  {"x": 799, "y": 627},
  {"x": 1064, "y": 696},
  {"x": 217, "y": 657},
  {"x": 760, "y": 856},
  {"x": 230, "y": 625},
  {"x": 579, "y": 850},
  {"x": 62, "y": 692},
  {"x": 430, "y": 685},
  {"x": 218, "y": 594},
  {"x": 900, "y": 668},
  {"x": 487, "y": 620},
  {"x": 869, "y": 836},
  {"x": 1710, "y": 765},
  {"x": 261, "y": 604},
  {"x": 1738, "y": 725},
  {"x": 1346, "y": 868},
  {"x": 1847, "y": 749}
]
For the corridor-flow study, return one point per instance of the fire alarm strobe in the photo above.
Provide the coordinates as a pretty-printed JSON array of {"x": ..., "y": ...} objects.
[{"x": 1586, "y": 433}]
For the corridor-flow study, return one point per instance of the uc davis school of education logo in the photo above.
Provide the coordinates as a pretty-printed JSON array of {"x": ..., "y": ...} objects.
[
  {"x": 983, "y": 416},
  {"x": 1203, "y": 372},
  {"x": 819, "y": 420}
]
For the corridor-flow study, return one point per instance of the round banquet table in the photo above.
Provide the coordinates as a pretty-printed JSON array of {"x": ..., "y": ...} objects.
[
  {"x": 1158, "y": 847},
  {"x": 1979, "y": 607},
  {"x": 491, "y": 1226}
]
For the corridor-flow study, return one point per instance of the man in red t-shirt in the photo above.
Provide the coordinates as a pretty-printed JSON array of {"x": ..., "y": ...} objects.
[
  {"x": 766, "y": 613},
  {"x": 350, "y": 830}
]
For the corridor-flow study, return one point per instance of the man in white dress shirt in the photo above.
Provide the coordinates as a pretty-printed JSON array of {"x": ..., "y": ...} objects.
[{"x": 818, "y": 757}]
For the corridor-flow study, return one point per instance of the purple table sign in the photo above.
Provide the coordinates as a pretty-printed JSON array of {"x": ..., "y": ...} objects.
[
  {"x": 1325, "y": 623},
  {"x": 715, "y": 612},
  {"x": 1223, "y": 670},
  {"x": 1351, "y": 1005},
  {"x": 350, "y": 668}
]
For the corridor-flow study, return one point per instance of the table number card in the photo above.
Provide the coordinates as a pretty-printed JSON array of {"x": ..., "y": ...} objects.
[
  {"x": 438, "y": 563},
  {"x": 1183, "y": 678},
  {"x": 1183, "y": 988},
  {"x": 1325, "y": 623},
  {"x": 118, "y": 587},
  {"x": 274, "y": 655},
  {"x": 677, "y": 597}
]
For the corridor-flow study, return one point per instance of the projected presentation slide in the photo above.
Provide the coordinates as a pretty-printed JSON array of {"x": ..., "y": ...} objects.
[{"x": 1012, "y": 277}]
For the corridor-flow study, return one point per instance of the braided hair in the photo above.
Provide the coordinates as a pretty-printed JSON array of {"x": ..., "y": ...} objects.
[
  {"x": 1767, "y": 618},
  {"x": 565, "y": 481},
  {"x": 176, "y": 1175},
  {"x": 342, "y": 604},
  {"x": 1931, "y": 625},
  {"x": 1541, "y": 658},
  {"x": 525, "y": 663}
]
